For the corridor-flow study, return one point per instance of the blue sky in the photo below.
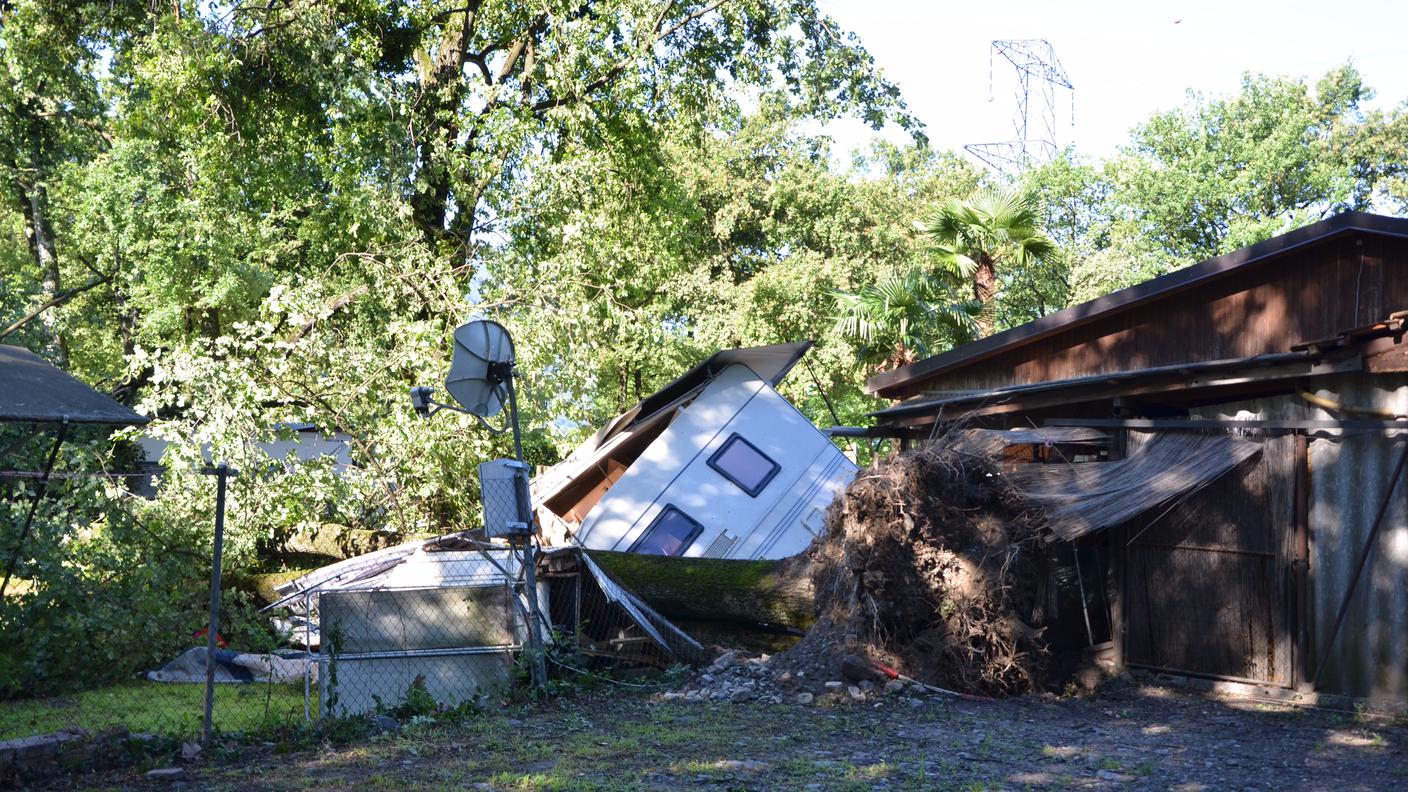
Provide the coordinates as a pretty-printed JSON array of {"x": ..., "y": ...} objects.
[{"x": 1126, "y": 59}]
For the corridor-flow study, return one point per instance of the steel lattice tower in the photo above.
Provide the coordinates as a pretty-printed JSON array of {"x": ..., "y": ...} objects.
[{"x": 1039, "y": 75}]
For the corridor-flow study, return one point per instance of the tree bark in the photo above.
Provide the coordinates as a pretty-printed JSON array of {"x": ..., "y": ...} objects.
[
  {"x": 772, "y": 593},
  {"x": 41, "y": 246},
  {"x": 984, "y": 290}
]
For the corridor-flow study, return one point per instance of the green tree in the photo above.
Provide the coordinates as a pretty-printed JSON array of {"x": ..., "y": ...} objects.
[
  {"x": 974, "y": 237},
  {"x": 1222, "y": 173},
  {"x": 287, "y": 207},
  {"x": 899, "y": 319}
]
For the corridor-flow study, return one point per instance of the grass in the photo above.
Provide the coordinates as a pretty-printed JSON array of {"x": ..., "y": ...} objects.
[{"x": 175, "y": 710}]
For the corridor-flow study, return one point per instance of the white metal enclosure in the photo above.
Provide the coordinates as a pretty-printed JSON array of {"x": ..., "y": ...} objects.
[{"x": 682, "y": 480}]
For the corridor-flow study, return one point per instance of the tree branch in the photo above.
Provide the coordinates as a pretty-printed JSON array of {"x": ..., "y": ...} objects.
[
  {"x": 58, "y": 299},
  {"x": 659, "y": 35},
  {"x": 334, "y": 305}
]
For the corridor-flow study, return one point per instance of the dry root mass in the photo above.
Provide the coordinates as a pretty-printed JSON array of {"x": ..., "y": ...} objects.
[{"x": 930, "y": 564}]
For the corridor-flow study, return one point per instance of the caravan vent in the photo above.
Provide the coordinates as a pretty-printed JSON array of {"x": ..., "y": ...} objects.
[{"x": 720, "y": 546}]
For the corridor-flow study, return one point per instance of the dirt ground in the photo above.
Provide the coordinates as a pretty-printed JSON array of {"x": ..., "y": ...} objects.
[{"x": 1131, "y": 737}]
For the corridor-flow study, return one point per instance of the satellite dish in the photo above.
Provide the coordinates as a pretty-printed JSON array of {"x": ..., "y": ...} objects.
[{"x": 482, "y": 363}]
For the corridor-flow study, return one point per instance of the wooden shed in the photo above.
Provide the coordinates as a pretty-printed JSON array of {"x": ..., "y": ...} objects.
[{"x": 1289, "y": 570}]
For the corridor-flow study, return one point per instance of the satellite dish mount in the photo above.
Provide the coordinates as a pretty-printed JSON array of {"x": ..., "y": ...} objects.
[{"x": 481, "y": 380}]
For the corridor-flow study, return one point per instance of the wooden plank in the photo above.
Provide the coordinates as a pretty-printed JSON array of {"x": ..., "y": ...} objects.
[
  {"x": 1300, "y": 665},
  {"x": 1187, "y": 424},
  {"x": 1279, "y": 456}
]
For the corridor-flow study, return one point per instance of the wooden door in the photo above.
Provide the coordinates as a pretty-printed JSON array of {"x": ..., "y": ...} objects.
[{"x": 1208, "y": 578}]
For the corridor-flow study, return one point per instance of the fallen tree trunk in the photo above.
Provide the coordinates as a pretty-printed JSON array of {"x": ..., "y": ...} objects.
[
  {"x": 339, "y": 542},
  {"x": 773, "y": 593}
]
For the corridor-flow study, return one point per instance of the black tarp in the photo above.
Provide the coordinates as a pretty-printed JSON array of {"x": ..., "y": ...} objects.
[{"x": 32, "y": 390}]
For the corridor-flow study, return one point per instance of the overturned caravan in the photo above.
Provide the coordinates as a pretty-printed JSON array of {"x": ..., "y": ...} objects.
[{"x": 717, "y": 464}]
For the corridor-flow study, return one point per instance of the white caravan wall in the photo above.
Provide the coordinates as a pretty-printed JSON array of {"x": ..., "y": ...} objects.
[{"x": 674, "y": 470}]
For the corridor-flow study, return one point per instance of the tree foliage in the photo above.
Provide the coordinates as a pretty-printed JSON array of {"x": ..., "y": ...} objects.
[
  {"x": 246, "y": 216},
  {"x": 239, "y": 217}
]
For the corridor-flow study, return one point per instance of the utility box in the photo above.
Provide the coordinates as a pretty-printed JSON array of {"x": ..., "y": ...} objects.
[{"x": 503, "y": 488}]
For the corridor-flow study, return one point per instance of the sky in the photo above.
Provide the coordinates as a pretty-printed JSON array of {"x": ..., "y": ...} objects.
[{"x": 1127, "y": 60}]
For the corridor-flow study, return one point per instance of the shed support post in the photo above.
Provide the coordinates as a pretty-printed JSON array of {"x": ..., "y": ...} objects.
[
  {"x": 39, "y": 490},
  {"x": 1116, "y": 586},
  {"x": 1300, "y": 566}
]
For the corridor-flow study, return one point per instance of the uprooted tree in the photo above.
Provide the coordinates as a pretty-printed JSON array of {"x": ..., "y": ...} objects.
[{"x": 927, "y": 564}]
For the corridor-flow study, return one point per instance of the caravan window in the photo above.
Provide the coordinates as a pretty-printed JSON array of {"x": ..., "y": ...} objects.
[
  {"x": 742, "y": 463},
  {"x": 670, "y": 534}
]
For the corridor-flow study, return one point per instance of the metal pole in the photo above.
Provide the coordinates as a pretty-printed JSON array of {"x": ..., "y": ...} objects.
[
  {"x": 1084, "y": 607},
  {"x": 1359, "y": 567},
  {"x": 39, "y": 491},
  {"x": 222, "y": 474},
  {"x": 308, "y": 659},
  {"x": 530, "y": 563}
]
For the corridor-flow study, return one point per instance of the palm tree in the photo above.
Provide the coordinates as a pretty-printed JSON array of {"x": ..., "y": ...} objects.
[
  {"x": 972, "y": 236},
  {"x": 898, "y": 319}
]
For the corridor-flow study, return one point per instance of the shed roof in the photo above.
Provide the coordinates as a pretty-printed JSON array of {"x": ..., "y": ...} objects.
[
  {"x": 34, "y": 391},
  {"x": 889, "y": 383},
  {"x": 1286, "y": 365}
]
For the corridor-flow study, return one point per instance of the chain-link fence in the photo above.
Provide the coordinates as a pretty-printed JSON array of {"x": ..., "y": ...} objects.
[{"x": 410, "y": 631}]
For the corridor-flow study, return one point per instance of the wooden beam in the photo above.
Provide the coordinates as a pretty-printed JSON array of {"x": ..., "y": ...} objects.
[{"x": 1155, "y": 424}]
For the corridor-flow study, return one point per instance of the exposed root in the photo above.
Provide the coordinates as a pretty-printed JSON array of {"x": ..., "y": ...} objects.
[{"x": 928, "y": 563}]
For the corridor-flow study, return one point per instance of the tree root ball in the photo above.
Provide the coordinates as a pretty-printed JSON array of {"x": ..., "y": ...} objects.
[{"x": 929, "y": 563}]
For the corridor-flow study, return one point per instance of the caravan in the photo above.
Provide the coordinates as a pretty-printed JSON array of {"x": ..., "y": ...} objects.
[{"x": 717, "y": 465}]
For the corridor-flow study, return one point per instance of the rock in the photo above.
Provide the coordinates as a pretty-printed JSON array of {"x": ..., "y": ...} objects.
[
  {"x": 1110, "y": 775},
  {"x": 514, "y": 722},
  {"x": 856, "y": 693},
  {"x": 858, "y": 669},
  {"x": 785, "y": 677},
  {"x": 915, "y": 703},
  {"x": 706, "y": 678},
  {"x": 734, "y": 764},
  {"x": 894, "y": 686},
  {"x": 190, "y": 750},
  {"x": 835, "y": 687},
  {"x": 384, "y": 723},
  {"x": 723, "y": 661},
  {"x": 805, "y": 698},
  {"x": 166, "y": 774}
]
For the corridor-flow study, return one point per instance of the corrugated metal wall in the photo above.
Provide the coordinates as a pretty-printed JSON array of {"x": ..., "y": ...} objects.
[{"x": 1349, "y": 473}]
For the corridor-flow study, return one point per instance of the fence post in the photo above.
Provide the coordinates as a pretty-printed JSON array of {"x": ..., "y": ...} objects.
[
  {"x": 222, "y": 474},
  {"x": 523, "y": 500}
]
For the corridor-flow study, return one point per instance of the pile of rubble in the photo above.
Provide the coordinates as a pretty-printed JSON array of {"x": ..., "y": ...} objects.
[{"x": 737, "y": 678}]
